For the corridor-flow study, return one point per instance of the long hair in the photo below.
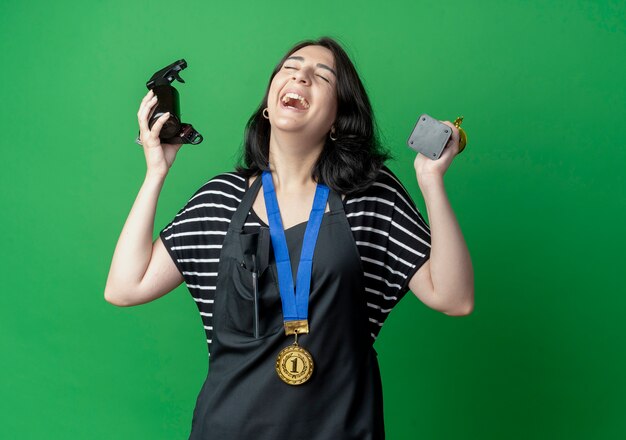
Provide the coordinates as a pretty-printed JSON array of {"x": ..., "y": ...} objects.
[{"x": 347, "y": 165}]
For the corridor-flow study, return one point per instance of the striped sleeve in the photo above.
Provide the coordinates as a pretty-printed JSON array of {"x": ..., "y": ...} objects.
[
  {"x": 393, "y": 239},
  {"x": 198, "y": 228}
]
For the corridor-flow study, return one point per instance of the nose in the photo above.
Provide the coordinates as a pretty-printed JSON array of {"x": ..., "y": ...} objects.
[{"x": 301, "y": 76}]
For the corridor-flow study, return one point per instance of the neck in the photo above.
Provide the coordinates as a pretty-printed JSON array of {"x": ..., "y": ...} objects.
[{"x": 292, "y": 161}]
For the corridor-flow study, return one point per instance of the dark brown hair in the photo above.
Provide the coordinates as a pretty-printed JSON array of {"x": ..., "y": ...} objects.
[{"x": 347, "y": 165}]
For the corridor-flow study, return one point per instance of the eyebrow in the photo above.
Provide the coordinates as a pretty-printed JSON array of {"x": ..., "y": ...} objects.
[{"x": 323, "y": 66}]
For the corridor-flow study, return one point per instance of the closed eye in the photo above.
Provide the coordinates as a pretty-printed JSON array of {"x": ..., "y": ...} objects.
[{"x": 290, "y": 67}]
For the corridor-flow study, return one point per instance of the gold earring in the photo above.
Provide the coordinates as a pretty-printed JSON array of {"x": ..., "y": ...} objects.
[
  {"x": 332, "y": 132},
  {"x": 267, "y": 116}
]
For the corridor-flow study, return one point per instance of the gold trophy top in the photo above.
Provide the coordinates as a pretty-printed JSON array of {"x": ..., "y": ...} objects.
[{"x": 462, "y": 134}]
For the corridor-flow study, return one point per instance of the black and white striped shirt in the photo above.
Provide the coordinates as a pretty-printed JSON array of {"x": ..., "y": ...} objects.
[{"x": 391, "y": 235}]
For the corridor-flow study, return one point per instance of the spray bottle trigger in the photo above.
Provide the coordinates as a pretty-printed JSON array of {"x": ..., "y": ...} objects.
[{"x": 177, "y": 77}]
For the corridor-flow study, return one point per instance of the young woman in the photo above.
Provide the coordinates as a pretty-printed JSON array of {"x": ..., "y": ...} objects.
[{"x": 296, "y": 257}]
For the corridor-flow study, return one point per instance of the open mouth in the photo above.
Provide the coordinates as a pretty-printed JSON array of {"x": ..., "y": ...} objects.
[{"x": 293, "y": 101}]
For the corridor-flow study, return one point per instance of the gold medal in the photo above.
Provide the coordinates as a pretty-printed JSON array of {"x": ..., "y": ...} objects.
[{"x": 294, "y": 364}]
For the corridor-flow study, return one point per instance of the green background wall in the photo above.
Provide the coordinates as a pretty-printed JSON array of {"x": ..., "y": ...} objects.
[{"x": 539, "y": 194}]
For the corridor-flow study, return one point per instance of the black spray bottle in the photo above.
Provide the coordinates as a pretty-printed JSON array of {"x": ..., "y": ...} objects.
[{"x": 173, "y": 131}]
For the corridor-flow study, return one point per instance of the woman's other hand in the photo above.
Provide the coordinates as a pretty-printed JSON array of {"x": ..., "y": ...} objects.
[{"x": 427, "y": 168}]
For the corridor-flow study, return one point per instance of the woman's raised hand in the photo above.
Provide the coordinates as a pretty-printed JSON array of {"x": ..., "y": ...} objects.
[{"x": 159, "y": 157}]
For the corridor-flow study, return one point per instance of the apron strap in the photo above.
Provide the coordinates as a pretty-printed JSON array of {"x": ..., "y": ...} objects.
[
  {"x": 334, "y": 201},
  {"x": 238, "y": 220}
]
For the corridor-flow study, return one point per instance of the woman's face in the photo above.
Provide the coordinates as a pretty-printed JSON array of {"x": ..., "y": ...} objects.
[{"x": 303, "y": 94}]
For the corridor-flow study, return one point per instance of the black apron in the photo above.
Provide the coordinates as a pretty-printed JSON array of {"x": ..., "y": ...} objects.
[{"x": 242, "y": 396}]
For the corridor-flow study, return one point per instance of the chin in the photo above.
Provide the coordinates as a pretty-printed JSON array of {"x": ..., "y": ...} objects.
[{"x": 286, "y": 123}]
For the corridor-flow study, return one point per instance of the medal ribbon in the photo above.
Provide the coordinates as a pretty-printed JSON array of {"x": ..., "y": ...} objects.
[{"x": 295, "y": 307}]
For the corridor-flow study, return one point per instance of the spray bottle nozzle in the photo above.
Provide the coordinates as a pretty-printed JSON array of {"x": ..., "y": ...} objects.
[{"x": 168, "y": 74}]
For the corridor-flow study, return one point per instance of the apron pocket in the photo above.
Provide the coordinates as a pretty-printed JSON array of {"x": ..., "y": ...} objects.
[
  {"x": 257, "y": 244},
  {"x": 241, "y": 315}
]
